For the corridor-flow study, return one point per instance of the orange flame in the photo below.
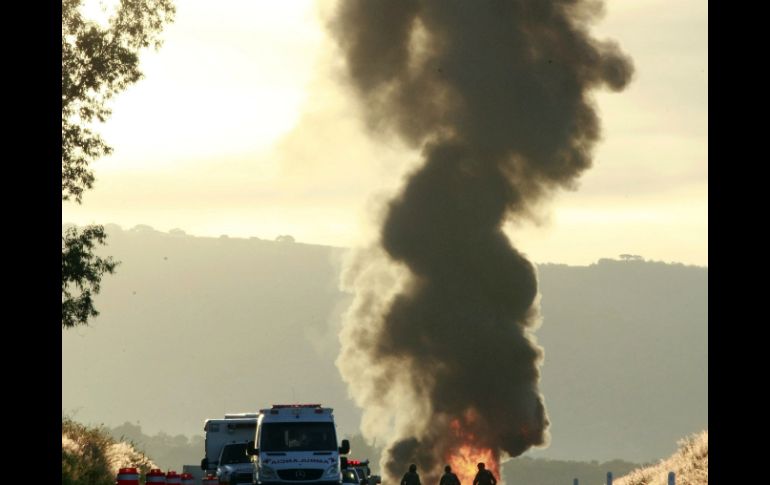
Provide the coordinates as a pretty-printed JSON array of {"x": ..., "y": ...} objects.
[{"x": 465, "y": 458}]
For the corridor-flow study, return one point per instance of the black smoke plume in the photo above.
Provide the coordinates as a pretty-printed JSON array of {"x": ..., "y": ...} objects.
[{"x": 497, "y": 94}]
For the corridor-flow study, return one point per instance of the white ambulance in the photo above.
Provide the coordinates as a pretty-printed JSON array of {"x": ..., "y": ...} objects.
[{"x": 296, "y": 444}]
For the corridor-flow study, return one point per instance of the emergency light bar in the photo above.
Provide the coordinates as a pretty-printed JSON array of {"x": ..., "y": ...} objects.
[{"x": 281, "y": 406}]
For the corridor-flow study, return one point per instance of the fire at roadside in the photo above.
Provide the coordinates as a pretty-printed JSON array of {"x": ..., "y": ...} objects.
[{"x": 437, "y": 347}]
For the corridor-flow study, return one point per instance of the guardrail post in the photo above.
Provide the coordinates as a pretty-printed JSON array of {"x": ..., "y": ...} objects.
[
  {"x": 609, "y": 478},
  {"x": 671, "y": 478}
]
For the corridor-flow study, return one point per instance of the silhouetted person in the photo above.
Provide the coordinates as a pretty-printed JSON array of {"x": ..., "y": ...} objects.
[
  {"x": 484, "y": 477},
  {"x": 449, "y": 478},
  {"x": 411, "y": 477}
]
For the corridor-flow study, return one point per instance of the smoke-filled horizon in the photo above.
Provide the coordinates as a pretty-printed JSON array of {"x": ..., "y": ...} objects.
[{"x": 438, "y": 348}]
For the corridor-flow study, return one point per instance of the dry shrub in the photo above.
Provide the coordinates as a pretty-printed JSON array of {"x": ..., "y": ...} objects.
[{"x": 690, "y": 464}]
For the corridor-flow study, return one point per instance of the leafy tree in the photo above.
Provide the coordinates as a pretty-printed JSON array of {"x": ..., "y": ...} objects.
[
  {"x": 97, "y": 63},
  {"x": 83, "y": 270}
]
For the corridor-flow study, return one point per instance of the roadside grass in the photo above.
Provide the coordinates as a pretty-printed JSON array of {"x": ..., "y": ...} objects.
[
  {"x": 90, "y": 456},
  {"x": 690, "y": 464}
]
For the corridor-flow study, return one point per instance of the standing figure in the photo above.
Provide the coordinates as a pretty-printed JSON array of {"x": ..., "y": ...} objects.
[
  {"x": 411, "y": 477},
  {"x": 484, "y": 477},
  {"x": 449, "y": 478}
]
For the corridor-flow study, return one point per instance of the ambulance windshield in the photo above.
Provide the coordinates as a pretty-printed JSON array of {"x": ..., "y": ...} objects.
[{"x": 298, "y": 437}]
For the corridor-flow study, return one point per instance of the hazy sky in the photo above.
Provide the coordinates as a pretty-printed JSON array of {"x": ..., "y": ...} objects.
[{"x": 244, "y": 126}]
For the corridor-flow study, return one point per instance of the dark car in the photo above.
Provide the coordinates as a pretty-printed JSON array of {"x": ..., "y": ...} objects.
[{"x": 350, "y": 476}]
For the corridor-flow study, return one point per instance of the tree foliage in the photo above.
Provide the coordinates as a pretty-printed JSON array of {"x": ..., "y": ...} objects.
[
  {"x": 82, "y": 271},
  {"x": 97, "y": 63}
]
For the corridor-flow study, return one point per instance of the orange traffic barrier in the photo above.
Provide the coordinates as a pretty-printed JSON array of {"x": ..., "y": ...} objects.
[
  {"x": 155, "y": 476},
  {"x": 127, "y": 476},
  {"x": 210, "y": 480},
  {"x": 173, "y": 478}
]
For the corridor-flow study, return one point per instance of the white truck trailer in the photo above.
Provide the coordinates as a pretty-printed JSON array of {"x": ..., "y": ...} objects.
[{"x": 234, "y": 428}]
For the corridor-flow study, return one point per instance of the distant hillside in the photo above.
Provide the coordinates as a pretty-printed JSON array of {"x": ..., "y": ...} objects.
[
  {"x": 534, "y": 471},
  {"x": 690, "y": 465},
  {"x": 169, "y": 452},
  {"x": 191, "y": 328},
  {"x": 626, "y": 357}
]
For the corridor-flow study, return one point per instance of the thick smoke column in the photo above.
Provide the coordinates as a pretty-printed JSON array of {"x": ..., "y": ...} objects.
[{"x": 438, "y": 352}]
